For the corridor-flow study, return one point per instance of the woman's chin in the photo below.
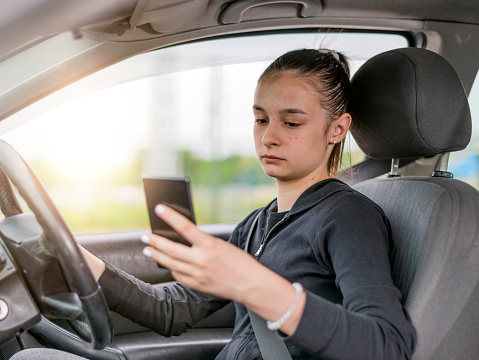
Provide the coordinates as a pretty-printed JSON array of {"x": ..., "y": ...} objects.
[{"x": 278, "y": 176}]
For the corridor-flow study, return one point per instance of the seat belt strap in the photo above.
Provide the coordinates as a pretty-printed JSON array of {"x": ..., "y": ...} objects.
[{"x": 270, "y": 345}]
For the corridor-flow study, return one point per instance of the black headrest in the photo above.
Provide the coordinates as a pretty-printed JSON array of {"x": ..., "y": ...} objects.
[{"x": 408, "y": 103}]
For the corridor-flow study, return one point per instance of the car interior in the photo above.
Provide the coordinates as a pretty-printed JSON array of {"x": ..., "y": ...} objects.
[{"x": 411, "y": 106}]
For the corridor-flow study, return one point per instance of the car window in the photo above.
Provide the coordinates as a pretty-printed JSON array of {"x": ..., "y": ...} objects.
[
  {"x": 183, "y": 110},
  {"x": 465, "y": 164}
]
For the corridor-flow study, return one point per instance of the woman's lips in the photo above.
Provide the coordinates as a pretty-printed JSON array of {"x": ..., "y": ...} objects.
[{"x": 271, "y": 158}]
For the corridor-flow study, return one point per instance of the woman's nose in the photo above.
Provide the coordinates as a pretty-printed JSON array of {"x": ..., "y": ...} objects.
[{"x": 271, "y": 136}]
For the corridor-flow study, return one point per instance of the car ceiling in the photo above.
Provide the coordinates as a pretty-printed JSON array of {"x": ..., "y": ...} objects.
[{"x": 48, "y": 44}]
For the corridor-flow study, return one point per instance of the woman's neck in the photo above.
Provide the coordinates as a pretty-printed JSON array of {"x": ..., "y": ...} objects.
[{"x": 289, "y": 191}]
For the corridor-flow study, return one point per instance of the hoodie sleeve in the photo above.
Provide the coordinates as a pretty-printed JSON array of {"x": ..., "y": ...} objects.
[
  {"x": 370, "y": 323},
  {"x": 168, "y": 310}
]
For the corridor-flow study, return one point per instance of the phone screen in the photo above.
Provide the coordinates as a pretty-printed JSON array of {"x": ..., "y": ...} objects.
[{"x": 173, "y": 192}]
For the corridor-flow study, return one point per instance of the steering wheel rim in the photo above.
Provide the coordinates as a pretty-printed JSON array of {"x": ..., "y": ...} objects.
[{"x": 95, "y": 312}]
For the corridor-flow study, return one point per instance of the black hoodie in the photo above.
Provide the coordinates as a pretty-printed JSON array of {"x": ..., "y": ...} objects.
[{"x": 336, "y": 243}]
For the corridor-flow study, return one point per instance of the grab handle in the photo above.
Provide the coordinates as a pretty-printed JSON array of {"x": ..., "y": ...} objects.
[{"x": 233, "y": 13}]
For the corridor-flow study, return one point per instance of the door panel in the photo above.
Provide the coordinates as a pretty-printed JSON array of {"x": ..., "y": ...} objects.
[{"x": 209, "y": 336}]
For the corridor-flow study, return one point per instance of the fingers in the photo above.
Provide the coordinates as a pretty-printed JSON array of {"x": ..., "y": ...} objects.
[
  {"x": 190, "y": 265},
  {"x": 181, "y": 224},
  {"x": 168, "y": 253},
  {"x": 169, "y": 262},
  {"x": 158, "y": 244},
  {"x": 178, "y": 258}
]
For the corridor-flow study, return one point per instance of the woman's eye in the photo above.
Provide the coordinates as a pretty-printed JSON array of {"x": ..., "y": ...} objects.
[
  {"x": 291, "y": 124},
  {"x": 261, "y": 121}
]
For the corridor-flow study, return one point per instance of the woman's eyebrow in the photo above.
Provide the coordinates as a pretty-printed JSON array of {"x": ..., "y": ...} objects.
[
  {"x": 283, "y": 111},
  {"x": 292, "y": 111}
]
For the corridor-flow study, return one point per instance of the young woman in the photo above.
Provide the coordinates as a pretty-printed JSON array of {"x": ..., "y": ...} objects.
[{"x": 317, "y": 267}]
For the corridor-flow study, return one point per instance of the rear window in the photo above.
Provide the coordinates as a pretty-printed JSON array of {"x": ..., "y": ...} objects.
[{"x": 465, "y": 164}]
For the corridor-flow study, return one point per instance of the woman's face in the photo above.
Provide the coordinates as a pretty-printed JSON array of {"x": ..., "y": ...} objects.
[{"x": 291, "y": 132}]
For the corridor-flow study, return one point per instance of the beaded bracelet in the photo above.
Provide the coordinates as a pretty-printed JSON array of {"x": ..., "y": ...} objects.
[{"x": 277, "y": 324}]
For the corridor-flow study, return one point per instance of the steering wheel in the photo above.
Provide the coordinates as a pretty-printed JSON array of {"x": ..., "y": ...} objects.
[{"x": 84, "y": 307}]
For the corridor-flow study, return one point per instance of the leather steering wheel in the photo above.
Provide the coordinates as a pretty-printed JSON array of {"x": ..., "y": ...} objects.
[{"x": 91, "y": 317}]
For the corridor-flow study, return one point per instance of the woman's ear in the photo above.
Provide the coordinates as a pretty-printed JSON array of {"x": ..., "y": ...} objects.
[{"x": 339, "y": 128}]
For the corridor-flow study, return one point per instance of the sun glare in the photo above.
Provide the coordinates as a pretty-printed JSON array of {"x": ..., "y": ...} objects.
[{"x": 87, "y": 137}]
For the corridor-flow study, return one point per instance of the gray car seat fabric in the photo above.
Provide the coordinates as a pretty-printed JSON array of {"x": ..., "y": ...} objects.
[
  {"x": 434, "y": 220},
  {"x": 435, "y": 262},
  {"x": 410, "y": 229},
  {"x": 44, "y": 354},
  {"x": 409, "y": 103}
]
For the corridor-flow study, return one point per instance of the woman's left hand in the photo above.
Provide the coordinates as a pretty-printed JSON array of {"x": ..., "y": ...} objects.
[
  {"x": 217, "y": 267},
  {"x": 210, "y": 265}
]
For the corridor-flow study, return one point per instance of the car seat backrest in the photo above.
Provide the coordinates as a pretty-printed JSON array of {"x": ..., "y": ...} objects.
[{"x": 409, "y": 103}]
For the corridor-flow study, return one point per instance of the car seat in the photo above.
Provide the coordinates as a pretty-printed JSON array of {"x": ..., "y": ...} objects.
[{"x": 411, "y": 103}]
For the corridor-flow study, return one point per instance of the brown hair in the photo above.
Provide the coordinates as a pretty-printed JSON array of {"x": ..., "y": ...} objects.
[{"x": 328, "y": 72}]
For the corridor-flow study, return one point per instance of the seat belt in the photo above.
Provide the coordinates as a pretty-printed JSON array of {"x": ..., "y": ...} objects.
[{"x": 270, "y": 345}]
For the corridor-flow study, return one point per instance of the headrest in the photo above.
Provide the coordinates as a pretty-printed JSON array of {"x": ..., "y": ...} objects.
[{"x": 409, "y": 103}]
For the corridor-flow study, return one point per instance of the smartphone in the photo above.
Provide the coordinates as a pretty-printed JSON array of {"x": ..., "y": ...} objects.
[{"x": 173, "y": 192}]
